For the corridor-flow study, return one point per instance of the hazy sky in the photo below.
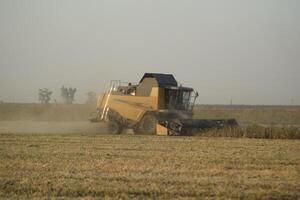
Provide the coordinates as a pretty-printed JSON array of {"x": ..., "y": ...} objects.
[{"x": 248, "y": 51}]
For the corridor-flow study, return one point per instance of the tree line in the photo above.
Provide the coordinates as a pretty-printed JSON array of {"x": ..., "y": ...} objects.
[{"x": 67, "y": 94}]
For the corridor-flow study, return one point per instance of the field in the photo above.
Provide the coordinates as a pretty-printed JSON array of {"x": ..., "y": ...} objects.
[
  {"x": 129, "y": 166},
  {"x": 52, "y": 152}
]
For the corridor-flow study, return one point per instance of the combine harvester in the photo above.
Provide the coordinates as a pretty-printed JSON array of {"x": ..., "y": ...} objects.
[{"x": 155, "y": 105}]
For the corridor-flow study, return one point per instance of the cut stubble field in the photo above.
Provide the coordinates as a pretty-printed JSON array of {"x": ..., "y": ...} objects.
[{"x": 135, "y": 166}]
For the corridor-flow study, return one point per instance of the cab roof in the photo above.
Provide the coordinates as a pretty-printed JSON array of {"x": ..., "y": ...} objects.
[{"x": 163, "y": 80}]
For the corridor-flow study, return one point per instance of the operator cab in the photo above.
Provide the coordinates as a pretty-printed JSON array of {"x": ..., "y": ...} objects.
[
  {"x": 180, "y": 98},
  {"x": 174, "y": 97}
]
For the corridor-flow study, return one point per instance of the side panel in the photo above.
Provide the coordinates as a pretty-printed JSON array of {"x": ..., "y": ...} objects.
[{"x": 131, "y": 107}]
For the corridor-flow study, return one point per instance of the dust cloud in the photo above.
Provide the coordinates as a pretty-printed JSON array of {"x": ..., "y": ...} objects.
[
  {"x": 52, "y": 119},
  {"x": 52, "y": 127}
]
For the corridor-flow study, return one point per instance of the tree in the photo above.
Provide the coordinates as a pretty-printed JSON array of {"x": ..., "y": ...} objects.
[
  {"x": 45, "y": 95},
  {"x": 91, "y": 98},
  {"x": 68, "y": 94}
]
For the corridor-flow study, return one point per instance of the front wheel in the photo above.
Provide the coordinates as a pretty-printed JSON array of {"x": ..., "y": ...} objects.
[
  {"x": 114, "y": 127},
  {"x": 147, "y": 125}
]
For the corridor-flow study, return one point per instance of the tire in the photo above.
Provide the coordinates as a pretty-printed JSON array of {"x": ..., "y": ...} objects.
[
  {"x": 147, "y": 125},
  {"x": 114, "y": 127}
]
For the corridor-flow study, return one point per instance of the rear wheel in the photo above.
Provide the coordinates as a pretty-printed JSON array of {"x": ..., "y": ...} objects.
[
  {"x": 147, "y": 125},
  {"x": 114, "y": 127}
]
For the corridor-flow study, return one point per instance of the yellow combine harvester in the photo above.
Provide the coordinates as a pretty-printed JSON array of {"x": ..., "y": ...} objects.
[{"x": 155, "y": 105}]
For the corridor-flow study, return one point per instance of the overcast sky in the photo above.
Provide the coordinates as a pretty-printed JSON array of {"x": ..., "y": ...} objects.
[{"x": 248, "y": 51}]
